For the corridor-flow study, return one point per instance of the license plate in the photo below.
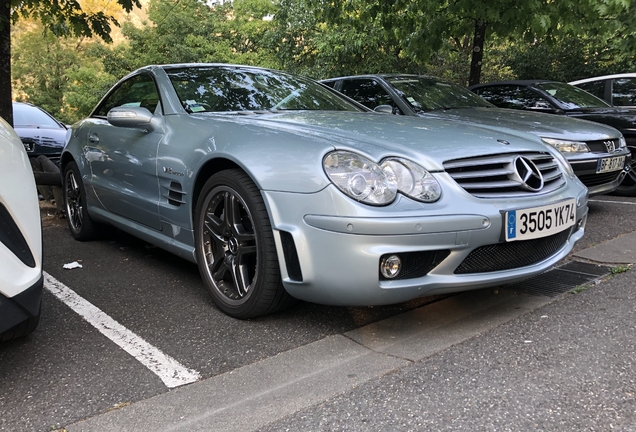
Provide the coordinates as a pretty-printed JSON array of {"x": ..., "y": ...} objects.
[
  {"x": 610, "y": 164},
  {"x": 541, "y": 221}
]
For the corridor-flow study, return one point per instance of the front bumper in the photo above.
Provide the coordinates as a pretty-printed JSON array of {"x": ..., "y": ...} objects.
[
  {"x": 21, "y": 307},
  {"x": 585, "y": 166},
  {"x": 330, "y": 247}
]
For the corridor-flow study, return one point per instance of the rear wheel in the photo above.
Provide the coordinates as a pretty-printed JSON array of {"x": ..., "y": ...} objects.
[
  {"x": 235, "y": 247},
  {"x": 80, "y": 223},
  {"x": 628, "y": 186}
]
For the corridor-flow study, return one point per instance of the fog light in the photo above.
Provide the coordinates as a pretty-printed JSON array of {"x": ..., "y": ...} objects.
[{"x": 390, "y": 266}]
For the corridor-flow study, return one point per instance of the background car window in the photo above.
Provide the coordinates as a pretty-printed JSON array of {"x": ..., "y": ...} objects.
[
  {"x": 597, "y": 88},
  {"x": 624, "y": 92},
  {"x": 515, "y": 97},
  {"x": 30, "y": 116},
  {"x": 138, "y": 91},
  {"x": 572, "y": 97},
  {"x": 366, "y": 91},
  {"x": 425, "y": 94},
  {"x": 227, "y": 89}
]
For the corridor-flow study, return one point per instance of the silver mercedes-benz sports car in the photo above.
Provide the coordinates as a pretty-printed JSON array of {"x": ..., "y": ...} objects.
[{"x": 282, "y": 189}]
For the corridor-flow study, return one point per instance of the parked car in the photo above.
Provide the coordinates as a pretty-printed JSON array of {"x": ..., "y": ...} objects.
[
  {"x": 564, "y": 99},
  {"x": 40, "y": 132},
  {"x": 618, "y": 89},
  {"x": 280, "y": 188},
  {"x": 596, "y": 152},
  {"x": 20, "y": 240}
]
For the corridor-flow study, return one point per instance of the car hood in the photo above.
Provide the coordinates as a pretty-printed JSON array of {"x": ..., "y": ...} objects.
[
  {"x": 620, "y": 118},
  {"x": 430, "y": 140},
  {"x": 44, "y": 138},
  {"x": 539, "y": 124}
]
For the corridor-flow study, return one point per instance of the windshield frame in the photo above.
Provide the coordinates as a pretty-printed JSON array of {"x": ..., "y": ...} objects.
[{"x": 236, "y": 89}]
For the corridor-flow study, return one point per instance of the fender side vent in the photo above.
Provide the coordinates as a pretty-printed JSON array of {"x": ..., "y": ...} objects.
[
  {"x": 291, "y": 256},
  {"x": 175, "y": 194}
]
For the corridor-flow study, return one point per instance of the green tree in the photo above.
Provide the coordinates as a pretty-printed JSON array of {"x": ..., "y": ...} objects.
[
  {"x": 191, "y": 31},
  {"x": 336, "y": 38},
  {"x": 65, "y": 17},
  {"x": 40, "y": 61},
  {"x": 424, "y": 27}
]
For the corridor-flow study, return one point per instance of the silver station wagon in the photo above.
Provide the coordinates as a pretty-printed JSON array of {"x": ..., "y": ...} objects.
[
  {"x": 597, "y": 153},
  {"x": 282, "y": 189}
]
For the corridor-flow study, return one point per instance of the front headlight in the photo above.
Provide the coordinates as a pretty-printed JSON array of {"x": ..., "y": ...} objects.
[
  {"x": 567, "y": 168},
  {"x": 378, "y": 184},
  {"x": 566, "y": 146},
  {"x": 621, "y": 142},
  {"x": 360, "y": 178},
  {"x": 413, "y": 180}
]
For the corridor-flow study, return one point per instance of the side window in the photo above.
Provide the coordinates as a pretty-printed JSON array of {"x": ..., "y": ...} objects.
[
  {"x": 514, "y": 97},
  {"x": 138, "y": 91},
  {"x": 366, "y": 91},
  {"x": 624, "y": 92},
  {"x": 330, "y": 83},
  {"x": 597, "y": 88}
]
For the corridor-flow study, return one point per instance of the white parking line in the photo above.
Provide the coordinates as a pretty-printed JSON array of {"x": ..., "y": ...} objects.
[
  {"x": 171, "y": 372},
  {"x": 613, "y": 202}
]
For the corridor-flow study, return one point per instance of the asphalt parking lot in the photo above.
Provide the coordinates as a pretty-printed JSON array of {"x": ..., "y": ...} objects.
[{"x": 68, "y": 371}]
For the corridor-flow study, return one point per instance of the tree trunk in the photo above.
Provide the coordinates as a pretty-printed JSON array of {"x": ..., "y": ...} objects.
[
  {"x": 478, "y": 52},
  {"x": 6, "y": 108}
]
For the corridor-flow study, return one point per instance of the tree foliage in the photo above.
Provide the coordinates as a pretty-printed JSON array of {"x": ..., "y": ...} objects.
[
  {"x": 61, "y": 17},
  {"x": 424, "y": 27},
  {"x": 560, "y": 40}
]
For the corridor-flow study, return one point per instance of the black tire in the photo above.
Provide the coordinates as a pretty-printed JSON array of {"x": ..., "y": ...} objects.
[
  {"x": 235, "y": 247},
  {"x": 79, "y": 222},
  {"x": 22, "y": 329},
  {"x": 628, "y": 186}
]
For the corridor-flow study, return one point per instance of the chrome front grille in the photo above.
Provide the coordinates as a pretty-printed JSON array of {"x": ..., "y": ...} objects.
[
  {"x": 498, "y": 176},
  {"x": 603, "y": 146}
]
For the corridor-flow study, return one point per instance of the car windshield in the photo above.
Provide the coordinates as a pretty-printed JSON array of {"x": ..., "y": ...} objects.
[
  {"x": 228, "y": 89},
  {"x": 30, "y": 116},
  {"x": 428, "y": 94},
  {"x": 572, "y": 97}
]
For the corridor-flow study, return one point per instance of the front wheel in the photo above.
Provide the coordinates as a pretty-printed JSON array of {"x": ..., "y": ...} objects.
[{"x": 235, "y": 247}]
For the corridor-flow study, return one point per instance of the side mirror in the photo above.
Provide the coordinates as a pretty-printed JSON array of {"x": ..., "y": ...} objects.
[
  {"x": 384, "y": 109},
  {"x": 131, "y": 117}
]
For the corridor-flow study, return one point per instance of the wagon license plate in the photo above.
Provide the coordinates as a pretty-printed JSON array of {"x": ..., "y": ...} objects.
[
  {"x": 541, "y": 221},
  {"x": 610, "y": 164}
]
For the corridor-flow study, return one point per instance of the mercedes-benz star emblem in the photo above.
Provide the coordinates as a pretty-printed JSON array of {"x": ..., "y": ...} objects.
[{"x": 527, "y": 174}]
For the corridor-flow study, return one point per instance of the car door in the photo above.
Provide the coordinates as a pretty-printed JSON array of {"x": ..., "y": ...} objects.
[{"x": 123, "y": 160}]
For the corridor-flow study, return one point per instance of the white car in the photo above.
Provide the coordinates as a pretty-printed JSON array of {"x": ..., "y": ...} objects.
[
  {"x": 617, "y": 89},
  {"x": 20, "y": 240}
]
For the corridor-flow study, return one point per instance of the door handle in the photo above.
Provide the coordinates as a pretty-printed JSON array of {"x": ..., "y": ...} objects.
[{"x": 93, "y": 138}]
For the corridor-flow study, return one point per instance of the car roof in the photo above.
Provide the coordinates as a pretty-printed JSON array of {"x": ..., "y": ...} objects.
[
  {"x": 604, "y": 77},
  {"x": 514, "y": 82},
  {"x": 379, "y": 75}
]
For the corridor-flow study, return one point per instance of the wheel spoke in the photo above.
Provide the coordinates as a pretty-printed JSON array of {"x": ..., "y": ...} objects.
[{"x": 240, "y": 276}]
